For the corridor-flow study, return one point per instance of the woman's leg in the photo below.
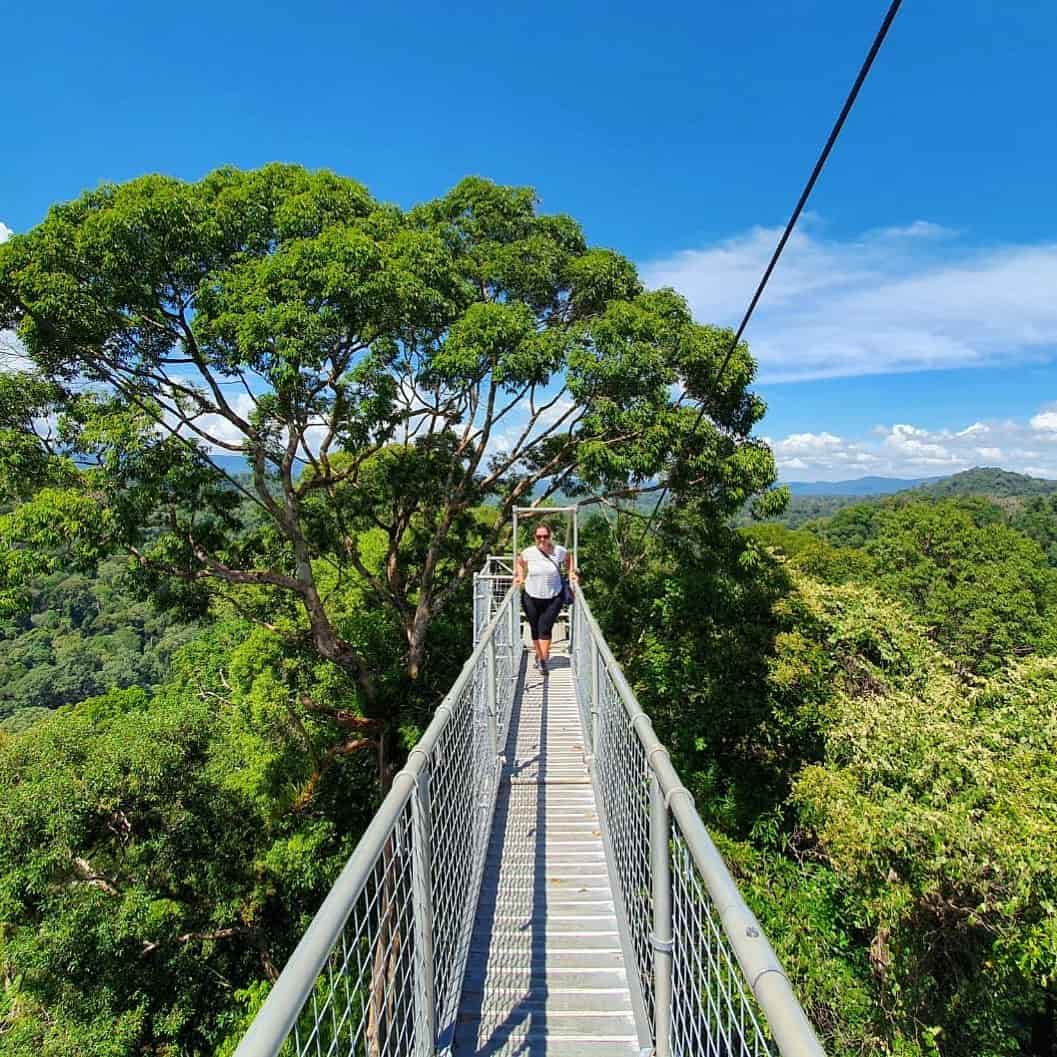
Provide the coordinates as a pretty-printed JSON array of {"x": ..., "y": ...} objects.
[
  {"x": 532, "y": 607},
  {"x": 548, "y": 615}
]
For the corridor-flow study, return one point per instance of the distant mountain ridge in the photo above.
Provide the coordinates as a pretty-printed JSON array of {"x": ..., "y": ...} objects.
[
  {"x": 981, "y": 480},
  {"x": 812, "y": 500},
  {"x": 988, "y": 481},
  {"x": 859, "y": 486}
]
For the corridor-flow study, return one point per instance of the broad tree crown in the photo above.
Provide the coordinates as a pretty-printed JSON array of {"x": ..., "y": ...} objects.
[{"x": 375, "y": 368}]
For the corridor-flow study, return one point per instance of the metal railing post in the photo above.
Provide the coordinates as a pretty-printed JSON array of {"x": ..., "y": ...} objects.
[
  {"x": 661, "y": 871},
  {"x": 594, "y": 695},
  {"x": 422, "y": 883},
  {"x": 515, "y": 633},
  {"x": 490, "y": 696}
]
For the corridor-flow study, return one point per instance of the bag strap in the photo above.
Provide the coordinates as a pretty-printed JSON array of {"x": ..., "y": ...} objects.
[{"x": 554, "y": 563}]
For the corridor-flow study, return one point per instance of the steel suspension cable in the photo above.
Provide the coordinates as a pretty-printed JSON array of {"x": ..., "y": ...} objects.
[{"x": 820, "y": 163}]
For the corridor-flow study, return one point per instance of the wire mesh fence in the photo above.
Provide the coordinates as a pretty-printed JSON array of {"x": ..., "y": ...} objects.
[
  {"x": 710, "y": 984},
  {"x": 490, "y": 586},
  {"x": 623, "y": 777},
  {"x": 362, "y": 1002},
  {"x": 714, "y": 1014},
  {"x": 379, "y": 971}
]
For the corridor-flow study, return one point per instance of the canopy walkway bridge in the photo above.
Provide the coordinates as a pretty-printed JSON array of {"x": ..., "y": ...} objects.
[{"x": 536, "y": 882}]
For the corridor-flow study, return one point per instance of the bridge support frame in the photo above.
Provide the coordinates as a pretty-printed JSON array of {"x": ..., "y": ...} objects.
[
  {"x": 422, "y": 887},
  {"x": 490, "y": 698},
  {"x": 594, "y": 697},
  {"x": 662, "y": 939}
]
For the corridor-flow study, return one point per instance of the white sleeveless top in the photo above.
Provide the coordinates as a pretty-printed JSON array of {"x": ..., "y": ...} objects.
[{"x": 543, "y": 579}]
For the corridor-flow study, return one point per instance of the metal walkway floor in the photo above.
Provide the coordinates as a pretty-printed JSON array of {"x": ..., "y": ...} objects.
[{"x": 546, "y": 974}]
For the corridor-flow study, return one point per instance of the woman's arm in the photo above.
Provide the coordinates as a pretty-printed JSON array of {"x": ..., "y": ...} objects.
[{"x": 520, "y": 571}]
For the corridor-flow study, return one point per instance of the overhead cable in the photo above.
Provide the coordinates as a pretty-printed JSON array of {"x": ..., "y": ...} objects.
[{"x": 801, "y": 202}]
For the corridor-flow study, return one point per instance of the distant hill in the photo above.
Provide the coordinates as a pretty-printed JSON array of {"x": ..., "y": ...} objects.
[
  {"x": 981, "y": 480},
  {"x": 812, "y": 500},
  {"x": 988, "y": 481},
  {"x": 233, "y": 464},
  {"x": 860, "y": 486}
]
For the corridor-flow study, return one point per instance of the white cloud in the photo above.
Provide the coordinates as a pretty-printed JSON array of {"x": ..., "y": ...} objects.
[
  {"x": 891, "y": 300},
  {"x": 5, "y": 232},
  {"x": 807, "y": 443},
  {"x": 919, "y": 446},
  {"x": 221, "y": 428},
  {"x": 1045, "y": 421},
  {"x": 905, "y": 450},
  {"x": 915, "y": 230}
]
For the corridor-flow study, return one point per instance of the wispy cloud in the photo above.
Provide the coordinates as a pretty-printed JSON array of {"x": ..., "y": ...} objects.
[
  {"x": 897, "y": 299},
  {"x": 905, "y": 450}
]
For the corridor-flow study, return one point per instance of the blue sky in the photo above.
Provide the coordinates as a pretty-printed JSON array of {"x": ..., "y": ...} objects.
[{"x": 912, "y": 326}]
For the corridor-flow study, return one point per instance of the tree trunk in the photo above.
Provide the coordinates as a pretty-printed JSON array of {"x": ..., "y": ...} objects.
[{"x": 416, "y": 636}]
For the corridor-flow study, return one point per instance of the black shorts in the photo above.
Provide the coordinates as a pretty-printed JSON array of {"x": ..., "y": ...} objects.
[{"x": 541, "y": 613}]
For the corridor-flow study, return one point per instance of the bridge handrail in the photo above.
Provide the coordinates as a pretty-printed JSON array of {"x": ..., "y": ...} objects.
[
  {"x": 294, "y": 990},
  {"x": 789, "y": 1026}
]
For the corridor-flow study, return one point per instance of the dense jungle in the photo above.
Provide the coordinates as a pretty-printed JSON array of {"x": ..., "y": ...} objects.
[{"x": 265, "y": 429}]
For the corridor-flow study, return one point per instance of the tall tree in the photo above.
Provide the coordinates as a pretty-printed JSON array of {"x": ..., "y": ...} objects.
[{"x": 375, "y": 368}]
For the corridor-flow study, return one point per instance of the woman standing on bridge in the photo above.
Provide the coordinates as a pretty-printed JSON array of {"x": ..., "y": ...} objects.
[{"x": 539, "y": 570}]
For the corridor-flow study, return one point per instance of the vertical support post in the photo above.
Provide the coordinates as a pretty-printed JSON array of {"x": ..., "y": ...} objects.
[
  {"x": 422, "y": 887},
  {"x": 576, "y": 538},
  {"x": 515, "y": 631},
  {"x": 490, "y": 697},
  {"x": 514, "y": 543},
  {"x": 595, "y": 703},
  {"x": 661, "y": 870}
]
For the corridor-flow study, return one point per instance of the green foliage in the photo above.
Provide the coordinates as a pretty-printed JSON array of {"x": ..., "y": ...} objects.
[
  {"x": 157, "y": 853},
  {"x": 981, "y": 589},
  {"x": 23, "y": 718},
  {"x": 961, "y": 566},
  {"x": 166, "y": 847},
  {"x": 919, "y": 804},
  {"x": 1037, "y": 519},
  {"x": 693, "y": 627},
  {"x": 26, "y": 452},
  {"x": 835, "y": 565},
  {"x": 802, "y": 509},
  {"x": 877, "y": 800},
  {"x": 1010, "y": 491},
  {"x": 853, "y": 526},
  {"x": 926, "y": 865},
  {"x": 394, "y": 370},
  {"x": 990, "y": 482},
  {"x": 81, "y": 637}
]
